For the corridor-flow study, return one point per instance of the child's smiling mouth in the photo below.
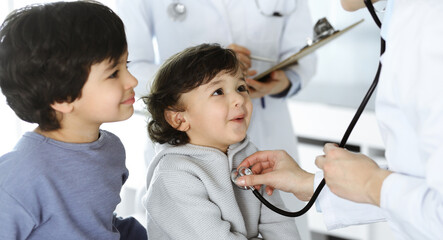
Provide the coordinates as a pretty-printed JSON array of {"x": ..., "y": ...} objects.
[
  {"x": 238, "y": 118},
  {"x": 130, "y": 100}
]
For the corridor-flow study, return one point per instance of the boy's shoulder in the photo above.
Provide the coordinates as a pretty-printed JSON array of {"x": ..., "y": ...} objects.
[
  {"x": 25, "y": 151},
  {"x": 22, "y": 165},
  {"x": 32, "y": 144},
  {"x": 34, "y": 154}
]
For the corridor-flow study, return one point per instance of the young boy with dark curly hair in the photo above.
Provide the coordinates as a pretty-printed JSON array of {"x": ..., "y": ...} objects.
[
  {"x": 200, "y": 112},
  {"x": 63, "y": 66}
]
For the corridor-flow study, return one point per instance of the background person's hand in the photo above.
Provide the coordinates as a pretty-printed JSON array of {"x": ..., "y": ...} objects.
[
  {"x": 352, "y": 176},
  {"x": 243, "y": 55},
  {"x": 276, "y": 83},
  {"x": 277, "y": 169}
]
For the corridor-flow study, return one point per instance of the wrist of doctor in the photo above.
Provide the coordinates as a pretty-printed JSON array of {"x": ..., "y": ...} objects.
[
  {"x": 299, "y": 182},
  {"x": 373, "y": 186},
  {"x": 304, "y": 188}
]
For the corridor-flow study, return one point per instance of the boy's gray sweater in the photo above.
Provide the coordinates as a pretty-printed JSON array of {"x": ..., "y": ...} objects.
[{"x": 190, "y": 196}]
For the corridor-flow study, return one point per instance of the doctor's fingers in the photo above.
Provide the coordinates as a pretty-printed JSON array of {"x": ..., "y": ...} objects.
[
  {"x": 257, "y": 85},
  {"x": 257, "y": 180},
  {"x": 330, "y": 147},
  {"x": 327, "y": 166},
  {"x": 280, "y": 82},
  {"x": 251, "y": 73},
  {"x": 279, "y": 75},
  {"x": 269, "y": 190},
  {"x": 320, "y": 161},
  {"x": 260, "y": 157},
  {"x": 327, "y": 162},
  {"x": 334, "y": 159},
  {"x": 262, "y": 167},
  {"x": 253, "y": 93}
]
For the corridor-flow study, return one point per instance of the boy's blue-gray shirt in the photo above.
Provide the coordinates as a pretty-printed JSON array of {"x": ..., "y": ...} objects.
[
  {"x": 56, "y": 190},
  {"x": 191, "y": 196}
]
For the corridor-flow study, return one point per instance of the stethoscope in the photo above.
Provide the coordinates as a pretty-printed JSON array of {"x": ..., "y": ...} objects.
[
  {"x": 177, "y": 11},
  {"x": 246, "y": 171}
]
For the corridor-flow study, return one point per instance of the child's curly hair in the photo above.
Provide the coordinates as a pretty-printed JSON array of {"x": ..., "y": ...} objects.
[{"x": 180, "y": 74}]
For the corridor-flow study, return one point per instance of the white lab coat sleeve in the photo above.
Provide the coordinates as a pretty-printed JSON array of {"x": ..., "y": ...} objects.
[
  {"x": 136, "y": 17},
  {"x": 298, "y": 27},
  {"x": 416, "y": 203},
  {"x": 178, "y": 207},
  {"x": 339, "y": 212}
]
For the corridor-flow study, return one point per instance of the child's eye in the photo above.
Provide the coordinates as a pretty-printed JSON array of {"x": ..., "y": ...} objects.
[
  {"x": 218, "y": 92},
  {"x": 127, "y": 63},
  {"x": 243, "y": 88},
  {"x": 114, "y": 74}
]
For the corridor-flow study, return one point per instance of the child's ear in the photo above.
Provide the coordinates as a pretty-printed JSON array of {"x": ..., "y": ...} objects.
[
  {"x": 177, "y": 120},
  {"x": 62, "y": 107}
]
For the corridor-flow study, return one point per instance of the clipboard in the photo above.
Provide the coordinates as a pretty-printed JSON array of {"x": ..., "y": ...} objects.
[{"x": 306, "y": 50}]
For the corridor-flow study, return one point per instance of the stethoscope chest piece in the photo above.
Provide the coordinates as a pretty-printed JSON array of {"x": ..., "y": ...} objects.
[
  {"x": 177, "y": 11},
  {"x": 243, "y": 171}
]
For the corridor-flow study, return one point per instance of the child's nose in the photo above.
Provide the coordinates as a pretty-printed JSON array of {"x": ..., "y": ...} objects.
[
  {"x": 238, "y": 99},
  {"x": 131, "y": 81}
]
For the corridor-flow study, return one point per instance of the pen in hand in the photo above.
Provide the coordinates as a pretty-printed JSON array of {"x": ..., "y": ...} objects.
[{"x": 262, "y": 59}]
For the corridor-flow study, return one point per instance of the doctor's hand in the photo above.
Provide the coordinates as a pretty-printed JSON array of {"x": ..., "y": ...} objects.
[
  {"x": 277, "y": 169},
  {"x": 352, "y": 176},
  {"x": 275, "y": 84},
  {"x": 352, "y": 5}
]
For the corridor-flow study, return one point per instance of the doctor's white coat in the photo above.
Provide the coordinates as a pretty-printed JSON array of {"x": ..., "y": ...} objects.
[{"x": 409, "y": 109}]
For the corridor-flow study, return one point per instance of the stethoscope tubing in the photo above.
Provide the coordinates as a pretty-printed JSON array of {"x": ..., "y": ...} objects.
[{"x": 348, "y": 132}]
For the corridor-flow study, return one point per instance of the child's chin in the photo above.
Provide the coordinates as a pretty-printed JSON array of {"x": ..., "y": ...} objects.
[
  {"x": 240, "y": 138},
  {"x": 126, "y": 115}
]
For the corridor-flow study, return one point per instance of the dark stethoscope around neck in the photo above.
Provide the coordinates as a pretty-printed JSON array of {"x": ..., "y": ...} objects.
[{"x": 247, "y": 171}]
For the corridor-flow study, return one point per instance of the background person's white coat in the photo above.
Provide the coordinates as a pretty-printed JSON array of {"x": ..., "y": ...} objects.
[{"x": 223, "y": 22}]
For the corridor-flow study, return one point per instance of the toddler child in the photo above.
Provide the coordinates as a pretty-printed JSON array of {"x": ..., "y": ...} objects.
[
  {"x": 200, "y": 112},
  {"x": 63, "y": 66}
]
